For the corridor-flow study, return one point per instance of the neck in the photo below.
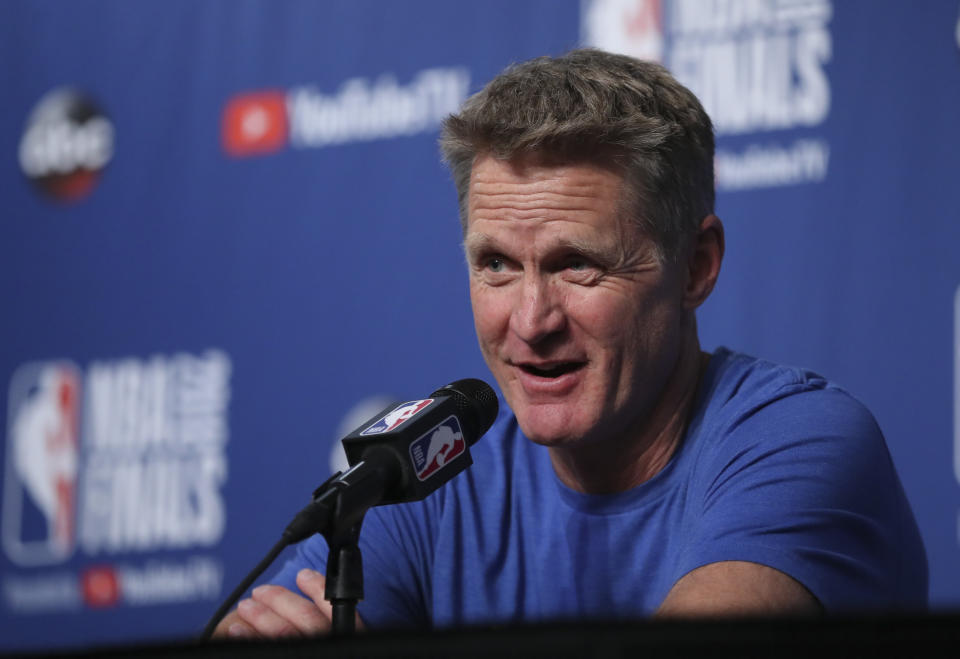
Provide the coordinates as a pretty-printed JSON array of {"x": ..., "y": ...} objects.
[{"x": 617, "y": 465}]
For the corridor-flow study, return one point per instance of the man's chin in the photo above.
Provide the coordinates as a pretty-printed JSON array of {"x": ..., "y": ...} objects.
[
  {"x": 552, "y": 434},
  {"x": 548, "y": 422}
]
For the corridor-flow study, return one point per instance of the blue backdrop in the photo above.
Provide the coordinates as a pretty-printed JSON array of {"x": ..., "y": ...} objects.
[{"x": 226, "y": 233}]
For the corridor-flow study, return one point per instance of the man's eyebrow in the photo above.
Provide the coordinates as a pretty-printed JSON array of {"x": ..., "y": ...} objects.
[
  {"x": 608, "y": 253},
  {"x": 477, "y": 243}
]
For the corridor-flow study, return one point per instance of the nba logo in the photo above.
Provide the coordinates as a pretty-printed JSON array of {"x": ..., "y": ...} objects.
[
  {"x": 397, "y": 417},
  {"x": 41, "y": 464},
  {"x": 629, "y": 27},
  {"x": 437, "y": 448}
]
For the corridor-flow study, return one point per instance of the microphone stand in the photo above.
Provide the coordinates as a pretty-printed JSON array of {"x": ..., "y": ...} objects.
[
  {"x": 336, "y": 512},
  {"x": 360, "y": 488},
  {"x": 344, "y": 578}
]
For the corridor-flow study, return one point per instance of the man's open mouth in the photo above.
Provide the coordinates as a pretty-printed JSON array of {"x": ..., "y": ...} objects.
[{"x": 552, "y": 370}]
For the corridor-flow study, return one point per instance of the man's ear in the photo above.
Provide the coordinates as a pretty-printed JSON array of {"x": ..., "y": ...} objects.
[{"x": 703, "y": 264}]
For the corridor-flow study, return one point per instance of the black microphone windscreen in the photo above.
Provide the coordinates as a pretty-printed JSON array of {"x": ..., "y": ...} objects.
[{"x": 477, "y": 399}]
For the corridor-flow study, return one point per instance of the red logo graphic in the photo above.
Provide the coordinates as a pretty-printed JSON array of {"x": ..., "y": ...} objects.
[
  {"x": 101, "y": 588},
  {"x": 255, "y": 124}
]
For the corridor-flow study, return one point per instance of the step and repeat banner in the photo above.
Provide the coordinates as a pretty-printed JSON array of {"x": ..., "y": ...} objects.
[{"x": 226, "y": 238}]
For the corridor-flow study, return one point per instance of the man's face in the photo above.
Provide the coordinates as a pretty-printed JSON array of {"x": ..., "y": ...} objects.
[{"x": 576, "y": 317}]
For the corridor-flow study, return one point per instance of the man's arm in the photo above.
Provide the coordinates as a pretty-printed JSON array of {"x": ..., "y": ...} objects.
[{"x": 738, "y": 589}]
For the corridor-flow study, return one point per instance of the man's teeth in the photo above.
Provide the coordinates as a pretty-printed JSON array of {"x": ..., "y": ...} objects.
[{"x": 553, "y": 371}]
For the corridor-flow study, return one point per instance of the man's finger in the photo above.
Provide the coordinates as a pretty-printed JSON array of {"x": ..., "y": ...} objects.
[
  {"x": 233, "y": 626},
  {"x": 264, "y": 621},
  {"x": 299, "y": 613},
  {"x": 241, "y": 629},
  {"x": 313, "y": 585}
]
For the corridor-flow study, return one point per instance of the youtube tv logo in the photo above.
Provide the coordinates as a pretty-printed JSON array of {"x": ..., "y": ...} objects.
[
  {"x": 265, "y": 121},
  {"x": 101, "y": 586},
  {"x": 255, "y": 123}
]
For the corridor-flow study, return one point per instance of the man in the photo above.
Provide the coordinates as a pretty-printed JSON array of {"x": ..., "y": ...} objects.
[{"x": 632, "y": 474}]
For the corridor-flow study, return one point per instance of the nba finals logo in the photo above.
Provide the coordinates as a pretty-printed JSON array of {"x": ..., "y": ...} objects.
[
  {"x": 42, "y": 463},
  {"x": 113, "y": 482}
]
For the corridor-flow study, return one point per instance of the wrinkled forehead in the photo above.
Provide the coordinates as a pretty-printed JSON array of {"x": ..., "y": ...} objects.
[
  {"x": 543, "y": 186},
  {"x": 605, "y": 158},
  {"x": 535, "y": 206}
]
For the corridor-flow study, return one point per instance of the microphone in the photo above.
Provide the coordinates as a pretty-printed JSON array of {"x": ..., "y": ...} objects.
[
  {"x": 403, "y": 454},
  {"x": 422, "y": 444}
]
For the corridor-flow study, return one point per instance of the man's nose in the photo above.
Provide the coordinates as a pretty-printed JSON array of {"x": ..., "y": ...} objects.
[{"x": 538, "y": 313}]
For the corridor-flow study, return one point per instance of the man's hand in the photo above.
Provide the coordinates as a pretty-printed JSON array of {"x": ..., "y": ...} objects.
[
  {"x": 274, "y": 611},
  {"x": 738, "y": 589}
]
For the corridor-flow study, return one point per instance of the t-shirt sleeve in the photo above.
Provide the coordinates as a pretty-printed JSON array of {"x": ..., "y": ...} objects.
[
  {"x": 805, "y": 484},
  {"x": 394, "y": 549}
]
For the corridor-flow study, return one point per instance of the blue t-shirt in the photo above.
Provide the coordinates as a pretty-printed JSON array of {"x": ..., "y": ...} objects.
[{"x": 777, "y": 467}]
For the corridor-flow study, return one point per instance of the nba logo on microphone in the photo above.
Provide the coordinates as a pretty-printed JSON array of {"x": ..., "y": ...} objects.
[
  {"x": 397, "y": 417},
  {"x": 437, "y": 448},
  {"x": 41, "y": 464}
]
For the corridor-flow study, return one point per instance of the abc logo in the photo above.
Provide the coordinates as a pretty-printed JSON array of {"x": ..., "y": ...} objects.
[{"x": 67, "y": 143}]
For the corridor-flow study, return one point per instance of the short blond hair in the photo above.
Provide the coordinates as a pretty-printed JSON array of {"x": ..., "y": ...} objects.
[{"x": 597, "y": 106}]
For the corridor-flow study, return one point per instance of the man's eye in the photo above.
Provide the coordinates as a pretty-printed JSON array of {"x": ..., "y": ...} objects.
[
  {"x": 496, "y": 264},
  {"x": 577, "y": 265}
]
